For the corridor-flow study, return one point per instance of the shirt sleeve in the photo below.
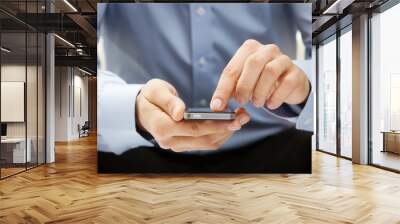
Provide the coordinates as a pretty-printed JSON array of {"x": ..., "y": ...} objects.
[
  {"x": 303, "y": 20},
  {"x": 299, "y": 114},
  {"x": 116, "y": 114}
]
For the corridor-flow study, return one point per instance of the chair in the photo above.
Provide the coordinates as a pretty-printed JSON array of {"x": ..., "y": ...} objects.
[{"x": 84, "y": 130}]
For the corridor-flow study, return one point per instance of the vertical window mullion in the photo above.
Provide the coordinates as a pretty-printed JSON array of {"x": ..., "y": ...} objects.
[
  {"x": 369, "y": 100},
  {"x": 338, "y": 78},
  {"x": 37, "y": 90},
  {"x": 316, "y": 96},
  {"x": 26, "y": 86}
]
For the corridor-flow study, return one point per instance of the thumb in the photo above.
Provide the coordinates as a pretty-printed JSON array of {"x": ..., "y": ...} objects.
[{"x": 164, "y": 96}]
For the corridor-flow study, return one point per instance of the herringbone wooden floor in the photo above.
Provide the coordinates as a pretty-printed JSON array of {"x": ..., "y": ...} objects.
[{"x": 70, "y": 191}]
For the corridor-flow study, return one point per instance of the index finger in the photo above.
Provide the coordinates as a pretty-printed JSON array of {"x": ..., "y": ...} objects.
[{"x": 231, "y": 73}]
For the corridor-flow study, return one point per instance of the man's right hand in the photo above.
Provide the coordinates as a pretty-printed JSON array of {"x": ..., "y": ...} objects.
[{"x": 159, "y": 111}]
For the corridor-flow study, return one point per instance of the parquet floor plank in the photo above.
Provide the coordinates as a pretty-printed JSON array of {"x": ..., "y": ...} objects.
[{"x": 71, "y": 191}]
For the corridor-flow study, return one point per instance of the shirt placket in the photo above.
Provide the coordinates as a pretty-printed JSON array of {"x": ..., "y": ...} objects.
[{"x": 201, "y": 48}]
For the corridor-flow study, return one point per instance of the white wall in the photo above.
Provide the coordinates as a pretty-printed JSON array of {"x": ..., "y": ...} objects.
[
  {"x": 79, "y": 117},
  {"x": 17, "y": 73},
  {"x": 34, "y": 125},
  {"x": 62, "y": 82},
  {"x": 70, "y": 83},
  {"x": 12, "y": 100},
  {"x": 12, "y": 73}
]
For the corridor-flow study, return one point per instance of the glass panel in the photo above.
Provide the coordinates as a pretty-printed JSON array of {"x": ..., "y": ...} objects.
[
  {"x": 346, "y": 94},
  {"x": 31, "y": 100},
  {"x": 23, "y": 89},
  {"x": 41, "y": 98},
  {"x": 32, "y": 88},
  {"x": 327, "y": 97},
  {"x": 385, "y": 84},
  {"x": 13, "y": 87}
]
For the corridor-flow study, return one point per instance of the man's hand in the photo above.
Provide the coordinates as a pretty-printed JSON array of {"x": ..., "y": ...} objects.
[
  {"x": 263, "y": 75},
  {"x": 159, "y": 111}
]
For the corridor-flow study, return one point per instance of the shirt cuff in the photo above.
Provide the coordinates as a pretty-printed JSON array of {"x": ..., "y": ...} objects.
[
  {"x": 288, "y": 112},
  {"x": 116, "y": 115}
]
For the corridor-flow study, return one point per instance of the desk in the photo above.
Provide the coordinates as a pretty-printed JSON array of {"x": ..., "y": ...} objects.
[
  {"x": 391, "y": 141},
  {"x": 16, "y": 147}
]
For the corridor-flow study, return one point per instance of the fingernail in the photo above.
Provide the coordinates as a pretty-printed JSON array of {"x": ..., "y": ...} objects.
[
  {"x": 271, "y": 106},
  {"x": 243, "y": 120},
  {"x": 216, "y": 104},
  {"x": 233, "y": 128},
  {"x": 175, "y": 111},
  {"x": 258, "y": 104}
]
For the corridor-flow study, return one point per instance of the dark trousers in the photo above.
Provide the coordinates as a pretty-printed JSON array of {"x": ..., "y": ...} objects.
[{"x": 287, "y": 152}]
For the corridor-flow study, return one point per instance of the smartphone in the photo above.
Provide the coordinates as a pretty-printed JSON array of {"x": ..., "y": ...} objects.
[{"x": 207, "y": 114}]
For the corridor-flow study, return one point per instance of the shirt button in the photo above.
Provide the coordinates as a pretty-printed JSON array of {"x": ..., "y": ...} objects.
[
  {"x": 202, "y": 61},
  {"x": 200, "y": 11},
  {"x": 203, "y": 102}
]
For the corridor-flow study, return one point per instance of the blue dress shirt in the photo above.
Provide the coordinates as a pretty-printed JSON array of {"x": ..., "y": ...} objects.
[{"x": 188, "y": 45}]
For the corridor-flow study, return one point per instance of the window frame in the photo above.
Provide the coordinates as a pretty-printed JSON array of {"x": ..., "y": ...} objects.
[
  {"x": 378, "y": 10},
  {"x": 333, "y": 37}
]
